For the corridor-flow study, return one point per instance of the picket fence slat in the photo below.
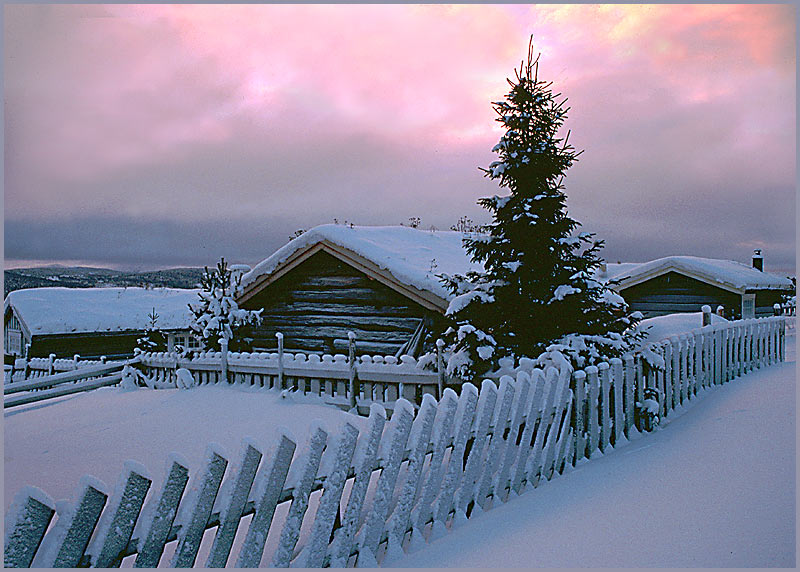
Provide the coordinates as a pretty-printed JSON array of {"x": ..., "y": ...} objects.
[
  {"x": 544, "y": 467},
  {"x": 545, "y": 419},
  {"x": 300, "y": 497},
  {"x": 152, "y": 548},
  {"x": 374, "y": 526},
  {"x": 315, "y": 550},
  {"x": 343, "y": 543},
  {"x": 229, "y": 523},
  {"x": 71, "y": 538},
  {"x": 494, "y": 454},
  {"x": 485, "y": 413},
  {"x": 579, "y": 381},
  {"x": 444, "y": 503},
  {"x": 210, "y": 479},
  {"x": 273, "y": 479},
  {"x": 423, "y": 424},
  {"x": 26, "y": 524},
  {"x": 532, "y": 417},
  {"x": 128, "y": 500},
  {"x": 442, "y": 431},
  {"x": 593, "y": 392}
]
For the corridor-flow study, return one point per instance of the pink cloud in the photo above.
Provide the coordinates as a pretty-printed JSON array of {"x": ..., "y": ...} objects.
[{"x": 97, "y": 90}]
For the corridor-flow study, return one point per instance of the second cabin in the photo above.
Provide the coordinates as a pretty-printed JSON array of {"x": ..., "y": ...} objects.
[{"x": 382, "y": 283}]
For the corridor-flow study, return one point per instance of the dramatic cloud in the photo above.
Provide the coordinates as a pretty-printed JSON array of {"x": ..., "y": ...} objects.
[{"x": 193, "y": 131}]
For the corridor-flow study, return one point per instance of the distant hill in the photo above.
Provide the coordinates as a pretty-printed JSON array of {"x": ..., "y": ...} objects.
[{"x": 84, "y": 277}]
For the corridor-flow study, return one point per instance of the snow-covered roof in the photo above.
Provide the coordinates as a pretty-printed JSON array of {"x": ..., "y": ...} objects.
[
  {"x": 74, "y": 310},
  {"x": 411, "y": 256},
  {"x": 727, "y": 274}
]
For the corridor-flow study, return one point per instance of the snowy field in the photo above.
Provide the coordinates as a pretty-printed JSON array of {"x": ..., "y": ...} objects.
[
  {"x": 52, "y": 444},
  {"x": 712, "y": 487}
]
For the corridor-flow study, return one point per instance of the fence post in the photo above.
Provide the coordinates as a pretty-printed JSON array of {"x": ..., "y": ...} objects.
[
  {"x": 280, "y": 359},
  {"x": 75, "y": 359},
  {"x": 706, "y": 315},
  {"x": 50, "y": 365},
  {"x": 103, "y": 359},
  {"x": 440, "y": 367},
  {"x": 223, "y": 361},
  {"x": 351, "y": 358}
]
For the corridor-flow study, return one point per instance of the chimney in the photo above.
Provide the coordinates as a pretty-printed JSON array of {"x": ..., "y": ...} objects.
[{"x": 758, "y": 260}]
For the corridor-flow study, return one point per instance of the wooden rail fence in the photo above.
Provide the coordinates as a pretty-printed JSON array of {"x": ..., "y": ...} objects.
[
  {"x": 394, "y": 485},
  {"x": 40, "y": 388}
]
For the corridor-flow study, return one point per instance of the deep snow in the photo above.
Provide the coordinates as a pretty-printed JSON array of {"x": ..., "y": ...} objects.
[
  {"x": 52, "y": 444},
  {"x": 714, "y": 486}
]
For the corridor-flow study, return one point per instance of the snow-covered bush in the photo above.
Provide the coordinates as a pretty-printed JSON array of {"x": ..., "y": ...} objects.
[
  {"x": 217, "y": 315},
  {"x": 537, "y": 293}
]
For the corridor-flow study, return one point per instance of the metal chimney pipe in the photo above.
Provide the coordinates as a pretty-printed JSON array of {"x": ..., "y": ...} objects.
[{"x": 758, "y": 260}]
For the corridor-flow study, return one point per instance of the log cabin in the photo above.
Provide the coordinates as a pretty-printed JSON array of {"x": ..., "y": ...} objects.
[
  {"x": 677, "y": 284},
  {"x": 92, "y": 322},
  {"x": 382, "y": 283}
]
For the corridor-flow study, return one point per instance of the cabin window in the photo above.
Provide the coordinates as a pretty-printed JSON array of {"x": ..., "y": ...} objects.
[
  {"x": 188, "y": 341},
  {"x": 13, "y": 337},
  {"x": 748, "y": 306}
]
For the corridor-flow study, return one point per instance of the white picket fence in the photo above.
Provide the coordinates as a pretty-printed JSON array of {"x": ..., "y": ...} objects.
[
  {"x": 338, "y": 379},
  {"x": 29, "y": 368},
  {"x": 388, "y": 489}
]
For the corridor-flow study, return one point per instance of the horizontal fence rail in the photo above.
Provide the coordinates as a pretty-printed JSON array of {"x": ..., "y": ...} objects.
[
  {"x": 45, "y": 387},
  {"x": 362, "y": 498}
]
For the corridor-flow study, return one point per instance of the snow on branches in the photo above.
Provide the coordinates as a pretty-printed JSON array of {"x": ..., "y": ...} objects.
[
  {"x": 216, "y": 315},
  {"x": 536, "y": 293}
]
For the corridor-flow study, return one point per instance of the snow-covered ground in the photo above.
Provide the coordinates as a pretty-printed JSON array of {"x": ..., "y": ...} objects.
[
  {"x": 52, "y": 444},
  {"x": 712, "y": 487}
]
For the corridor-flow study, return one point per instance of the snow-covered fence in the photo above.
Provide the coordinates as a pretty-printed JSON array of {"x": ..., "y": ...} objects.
[
  {"x": 363, "y": 498},
  {"x": 78, "y": 380},
  {"x": 24, "y": 369},
  {"x": 336, "y": 378}
]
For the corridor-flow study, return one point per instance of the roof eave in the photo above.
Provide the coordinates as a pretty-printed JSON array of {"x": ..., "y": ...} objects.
[{"x": 424, "y": 298}]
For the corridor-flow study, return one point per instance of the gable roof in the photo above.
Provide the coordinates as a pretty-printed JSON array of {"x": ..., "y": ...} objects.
[
  {"x": 726, "y": 274},
  {"x": 406, "y": 259},
  {"x": 46, "y": 311}
]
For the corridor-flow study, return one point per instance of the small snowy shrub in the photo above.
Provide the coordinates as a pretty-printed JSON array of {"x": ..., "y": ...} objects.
[{"x": 217, "y": 315}]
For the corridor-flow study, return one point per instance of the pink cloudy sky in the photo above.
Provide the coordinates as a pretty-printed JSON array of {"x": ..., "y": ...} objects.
[{"x": 155, "y": 135}]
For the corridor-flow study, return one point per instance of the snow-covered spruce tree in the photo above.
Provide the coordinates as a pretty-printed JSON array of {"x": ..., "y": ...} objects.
[
  {"x": 217, "y": 315},
  {"x": 537, "y": 293},
  {"x": 154, "y": 340}
]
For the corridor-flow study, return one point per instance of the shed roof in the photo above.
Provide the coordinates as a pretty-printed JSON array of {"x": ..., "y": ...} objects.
[
  {"x": 727, "y": 274},
  {"x": 46, "y": 311},
  {"x": 398, "y": 255}
]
